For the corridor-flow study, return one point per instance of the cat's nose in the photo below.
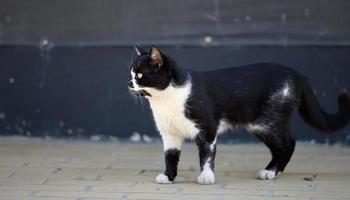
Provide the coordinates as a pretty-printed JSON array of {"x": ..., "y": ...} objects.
[{"x": 130, "y": 84}]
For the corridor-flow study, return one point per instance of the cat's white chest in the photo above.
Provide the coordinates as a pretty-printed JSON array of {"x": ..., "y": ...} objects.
[{"x": 169, "y": 112}]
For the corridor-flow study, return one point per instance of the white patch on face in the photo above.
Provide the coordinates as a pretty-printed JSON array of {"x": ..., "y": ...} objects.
[
  {"x": 207, "y": 176},
  {"x": 168, "y": 108},
  {"x": 133, "y": 80},
  {"x": 163, "y": 179},
  {"x": 266, "y": 174},
  {"x": 223, "y": 126},
  {"x": 257, "y": 128}
]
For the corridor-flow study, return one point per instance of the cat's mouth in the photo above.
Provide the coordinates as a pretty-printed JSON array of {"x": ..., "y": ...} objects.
[{"x": 141, "y": 93}]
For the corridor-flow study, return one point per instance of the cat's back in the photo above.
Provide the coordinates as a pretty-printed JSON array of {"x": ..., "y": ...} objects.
[
  {"x": 257, "y": 75},
  {"x": 239, "y": 84},
  {"x": 251, "y": 71}
]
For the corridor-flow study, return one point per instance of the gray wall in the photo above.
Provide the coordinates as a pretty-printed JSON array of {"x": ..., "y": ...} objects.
[
  {"x": 124, "y": 22},
  {"x": 80, "y": 92},
  {"x": 64, "y": 64}
]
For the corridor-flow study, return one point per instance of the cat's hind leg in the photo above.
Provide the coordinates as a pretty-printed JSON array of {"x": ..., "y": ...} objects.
[
  {"x": 273, "y": 128},
  {"x": 281, "y": 144}
]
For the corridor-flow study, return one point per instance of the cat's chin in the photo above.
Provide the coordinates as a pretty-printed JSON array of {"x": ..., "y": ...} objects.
[{"x": 141, "y": 93}]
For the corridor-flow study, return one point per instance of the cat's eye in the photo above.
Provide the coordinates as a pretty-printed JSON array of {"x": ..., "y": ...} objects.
[{"x": 139, "y": 75}]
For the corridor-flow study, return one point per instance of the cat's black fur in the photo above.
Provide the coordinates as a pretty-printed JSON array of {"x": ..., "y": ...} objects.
[{"x": 260, "y": 96}]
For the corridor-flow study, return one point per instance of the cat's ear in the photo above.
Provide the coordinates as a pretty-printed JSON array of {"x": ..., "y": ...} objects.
[
  {"x": 156, "y": 56},
  {"x": 139, "y": 50}
]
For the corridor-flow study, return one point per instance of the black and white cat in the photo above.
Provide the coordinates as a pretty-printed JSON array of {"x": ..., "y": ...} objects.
[{"x": 200, "y": 105}]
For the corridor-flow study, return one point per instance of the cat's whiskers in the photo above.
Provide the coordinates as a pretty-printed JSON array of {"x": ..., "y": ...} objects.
[
  {"x": 131, "y": 58},
  {"x": 142, "y": 106},
  {"x": 136, "y": 97}
]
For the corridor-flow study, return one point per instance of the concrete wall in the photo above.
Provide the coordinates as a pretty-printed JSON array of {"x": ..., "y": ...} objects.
[
  {"x": 79, "y": 92},
  {"x": 182, "y": 22},
  {"x": 64, "y": 64}
]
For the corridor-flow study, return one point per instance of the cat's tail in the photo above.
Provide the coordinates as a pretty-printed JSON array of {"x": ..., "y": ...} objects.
[{"x": 313, "y": 114}]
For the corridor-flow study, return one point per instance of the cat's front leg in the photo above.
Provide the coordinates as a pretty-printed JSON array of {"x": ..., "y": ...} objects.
[
  {"x": 207, "y": 151},
  {"x": 172, "y": 150}
]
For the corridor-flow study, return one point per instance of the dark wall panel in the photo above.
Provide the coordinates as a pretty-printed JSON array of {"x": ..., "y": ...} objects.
[{"x": 79, "y": 92}]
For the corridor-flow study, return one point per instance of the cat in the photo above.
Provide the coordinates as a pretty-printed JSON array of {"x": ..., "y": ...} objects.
[{"x": 187, "y": 104}]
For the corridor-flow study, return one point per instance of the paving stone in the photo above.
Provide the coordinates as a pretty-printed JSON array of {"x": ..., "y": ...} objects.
[{"x": 39, "y": 169}]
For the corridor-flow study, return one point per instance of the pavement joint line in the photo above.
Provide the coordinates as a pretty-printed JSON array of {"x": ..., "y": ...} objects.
[
  {"x": 210, "y": 194},
  {"x": 134, "y": 183}
]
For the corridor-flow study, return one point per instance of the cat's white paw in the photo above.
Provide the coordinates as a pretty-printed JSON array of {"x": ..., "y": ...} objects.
[
  {"x": 206, "y": 177},
  {"x": 266, "y": 174},
  {"x": 163, "y": 179}
]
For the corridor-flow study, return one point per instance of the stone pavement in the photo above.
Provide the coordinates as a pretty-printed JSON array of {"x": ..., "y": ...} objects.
[{"x": 39, "y": 169}]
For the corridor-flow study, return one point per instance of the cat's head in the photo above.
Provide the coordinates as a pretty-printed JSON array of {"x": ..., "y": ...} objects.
[{"x": 150, "y": 72}]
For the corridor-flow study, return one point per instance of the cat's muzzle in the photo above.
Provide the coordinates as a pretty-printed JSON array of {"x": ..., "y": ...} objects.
[
  {"x": 137, "y": 92},
  {"x": 141, "y": 93}
]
